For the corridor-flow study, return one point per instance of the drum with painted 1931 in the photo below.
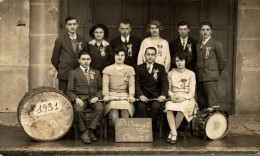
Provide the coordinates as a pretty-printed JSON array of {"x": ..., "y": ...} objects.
[
  {"x": 45, "y": 114},
  {"x": 212, "y": 124}
]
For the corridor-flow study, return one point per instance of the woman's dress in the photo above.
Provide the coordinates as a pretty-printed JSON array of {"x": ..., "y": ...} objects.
[
  {"x": 182, "y": 85},
  {"x": 118, "y": 84}
]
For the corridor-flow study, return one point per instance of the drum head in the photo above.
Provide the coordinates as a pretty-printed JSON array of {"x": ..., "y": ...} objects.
[{"x": 216, "y": 126}]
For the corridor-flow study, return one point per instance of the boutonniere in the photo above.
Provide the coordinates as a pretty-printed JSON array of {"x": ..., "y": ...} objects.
[
  {"x": 91, "y": 74},
  {"x": 207, "y": 52},
  {"x": 155, "y": 74},
  {"x": 129, "y": 50},
  {"x": 183, "y": 83},
  {"x": 126, "y": 78},
  {"x": 102, "y": 51},
  {"x": 189, "y": 47},
  {"x": 80, "y": 46}
]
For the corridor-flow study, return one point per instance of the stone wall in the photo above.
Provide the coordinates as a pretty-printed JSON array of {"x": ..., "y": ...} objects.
[
  {"x": 247, "y": 78},
  {"x": 14, "y": 52}
]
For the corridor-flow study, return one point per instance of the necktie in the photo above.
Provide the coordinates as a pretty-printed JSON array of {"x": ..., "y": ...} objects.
[
  {"x": 149, "y": 69},
  {"x": 183, "y": 44},
  {"x": 125, "y": 42},
  {"x": 86, "y": 70}
]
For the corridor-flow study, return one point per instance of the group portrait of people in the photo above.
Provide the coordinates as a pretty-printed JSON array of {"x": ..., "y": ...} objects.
[{"x": 130, "y": 74}]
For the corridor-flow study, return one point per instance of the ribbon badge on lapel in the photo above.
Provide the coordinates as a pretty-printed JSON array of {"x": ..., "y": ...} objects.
[
  {"x": 91, "y": 74},
  {"x": 189, "y": 48},
  {"x": 183, "y": 83},
  {"x": 159, "y": 46},
  {"x": 207, "y": 52},
  {"x": 129, "y": 50},
  {"x": 155, "y": 74},
  {"x": 126, "y": 78},
  {"x": 102, "y": 51},
  {"x": 80, "y": 46}
]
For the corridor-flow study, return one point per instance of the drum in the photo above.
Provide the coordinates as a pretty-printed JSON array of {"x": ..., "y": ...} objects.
[
  {"x": 45, "y": 114},
  {"x": 212, "y": 125}
]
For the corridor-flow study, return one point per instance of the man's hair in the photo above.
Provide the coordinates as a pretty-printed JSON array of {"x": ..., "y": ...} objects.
[
  {"x": 70, "y": 18},
  {"x": 83, "y": 53},
  {"x": 206, "y": 23},
  {"x": 182, "y": 56},
  {"x": 125, "y": 21},
  {"x": 151, "y": 48},
  {"x": 182, "y": 23},
  {"x": 94, "y": 27}
]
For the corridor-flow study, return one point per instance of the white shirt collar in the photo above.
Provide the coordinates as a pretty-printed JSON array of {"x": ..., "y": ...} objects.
[
  {"x": 72, "y": 36},
  {"x": 205, "y": 40},
  {"x": 186, "y": 39},
  {"x": 83, "y": 69},
  {"x": 123, "y": 38}
]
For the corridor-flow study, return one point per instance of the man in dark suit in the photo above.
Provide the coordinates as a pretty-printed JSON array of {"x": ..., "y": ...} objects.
[
  {"x": 84, "y": 90},
  {"x": 151, "y": 82},
  {"x": 211, "y": 61},
  {"x": 65, "y": 52},
  {"x": 184, "y": 43},
  {"x": 128, "y": 42}
]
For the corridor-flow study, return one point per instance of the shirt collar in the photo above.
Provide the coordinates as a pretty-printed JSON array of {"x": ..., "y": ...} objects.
[
  {"x": 73, "y": 36},
  {"x": 83, "y": 69},
  {"x": 186, "y": 39},
  {"x": 150, "y": 65},
  {"x": 123, "y": 38},
  {"x": 206, "y": 40}
]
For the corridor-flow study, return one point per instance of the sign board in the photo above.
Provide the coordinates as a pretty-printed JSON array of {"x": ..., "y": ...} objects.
[{"x": 133, "y": 130}]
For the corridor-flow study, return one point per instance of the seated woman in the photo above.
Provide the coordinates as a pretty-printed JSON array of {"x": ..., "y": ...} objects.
[
  {"x": 182, "y": 84},
  {"x": 119, "y": 83},
  {"x": 99, "y": 49}
]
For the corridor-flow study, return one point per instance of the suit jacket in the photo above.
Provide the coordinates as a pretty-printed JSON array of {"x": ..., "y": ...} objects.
[
  {"x": 64, "y": 59},
  {"x": 79, "y": 87},
  {"x": 210, "y": 67},
  {"x": 176, "y": 46},
  {"x": 147, "y": 85},
  {"x": 135, "y": 42}
]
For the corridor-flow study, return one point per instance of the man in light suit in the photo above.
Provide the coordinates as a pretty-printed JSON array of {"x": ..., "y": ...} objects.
[
  {"x": 84, "y": 90},
  {"x": 151, "y": 82},
  {"x": 184, "y": 43},
  {"x": 211, "y": 61},
  {"x": 65, "y": 52},
  {"x": 128, "y": 42}
]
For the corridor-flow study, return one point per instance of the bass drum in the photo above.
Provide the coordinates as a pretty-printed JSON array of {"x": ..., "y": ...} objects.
[
  {"x": 45, "y": 114},
  {"x": 212, "y": 125}
]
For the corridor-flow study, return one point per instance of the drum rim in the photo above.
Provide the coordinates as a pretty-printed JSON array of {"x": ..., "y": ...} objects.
[
  {"x": 34, "y": 92},
  {"x": 211, "y": 114}
]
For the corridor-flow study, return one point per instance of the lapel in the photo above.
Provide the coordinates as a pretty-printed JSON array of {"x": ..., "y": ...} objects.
[
  {"x": 147, "y": 75},
  {"x": 180, "y": 44},
  {"x": 68, "y": 41},
  {"x": 81, "y": 75},
  {"x": 203, "y": 50},
  {"x": 94, "y": 76}
]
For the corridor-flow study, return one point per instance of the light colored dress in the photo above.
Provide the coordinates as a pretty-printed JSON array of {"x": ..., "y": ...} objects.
[
  {"x": 163, "y": 52},
  {"x": 182, "y": 85},
  {"x": 118, "y": 84}
]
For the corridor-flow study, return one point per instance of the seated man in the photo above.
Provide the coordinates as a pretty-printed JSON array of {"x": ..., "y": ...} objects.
[
  {"x": 84, "y": 90},
  {"x": 151, "y": 82}
]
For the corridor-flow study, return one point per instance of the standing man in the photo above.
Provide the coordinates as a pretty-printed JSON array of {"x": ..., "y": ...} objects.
[
  {"x": 151, "y": 82},
  {"x": 65, "y": 52},
  {"x": 128, "y": 42},
  {"x": 84, "y": 90},
  {"x": 211, "y": 61},
  {"x": 184, "y": 43}
]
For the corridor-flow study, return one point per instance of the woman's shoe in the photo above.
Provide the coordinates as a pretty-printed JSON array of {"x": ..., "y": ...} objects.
[
  {"x": 173, "y": 138},
  {"x": 169, "y": 137}
]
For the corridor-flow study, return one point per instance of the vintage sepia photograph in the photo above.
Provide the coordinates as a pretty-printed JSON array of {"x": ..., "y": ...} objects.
[{"x": 129, "y": 77}]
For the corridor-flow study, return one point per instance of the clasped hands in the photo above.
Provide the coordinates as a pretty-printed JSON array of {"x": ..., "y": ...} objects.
[{"x": 177, "y": 99}]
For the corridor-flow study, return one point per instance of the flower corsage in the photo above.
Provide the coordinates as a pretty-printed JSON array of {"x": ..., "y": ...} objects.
[{"x": 155, "y": 74}]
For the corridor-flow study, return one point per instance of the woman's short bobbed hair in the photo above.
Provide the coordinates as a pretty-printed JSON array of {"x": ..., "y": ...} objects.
[
  {"x": 182, "y": 56},
  {"x": 94, "y": 27},
  {"x": 154, "y": 22}
]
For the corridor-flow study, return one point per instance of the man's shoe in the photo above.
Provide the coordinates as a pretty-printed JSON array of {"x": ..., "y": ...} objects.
[
  {"x": 85, "y": 137},
  {"x": 92, "y": 137}
]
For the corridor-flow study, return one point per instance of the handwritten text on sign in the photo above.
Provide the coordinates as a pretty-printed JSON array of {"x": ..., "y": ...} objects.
[
  {"x": 46, "y": 107},
  {"x": 134, "y": 130}
]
